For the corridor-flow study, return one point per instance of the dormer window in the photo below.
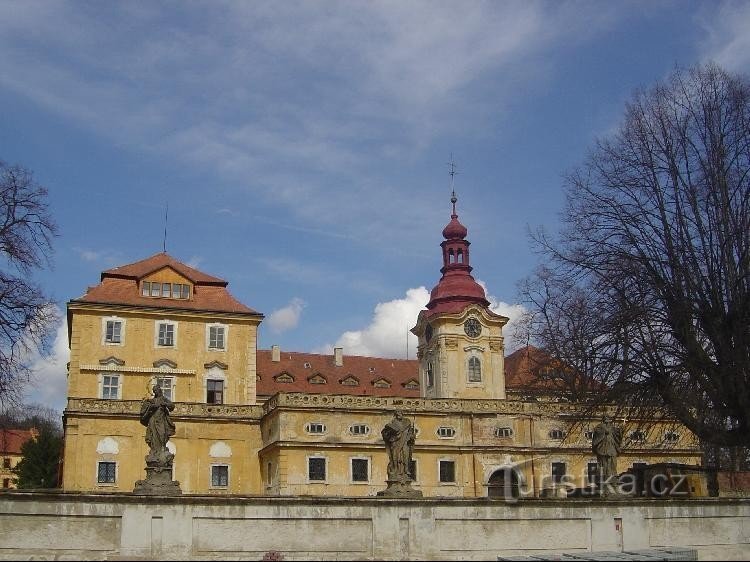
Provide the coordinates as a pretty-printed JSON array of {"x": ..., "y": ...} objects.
[
  {"x": 350, "y": 380},
  {"x": 165, "y": 290}
]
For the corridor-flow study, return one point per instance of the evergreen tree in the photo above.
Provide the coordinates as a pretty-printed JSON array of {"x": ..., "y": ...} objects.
[{"x": 40, "y": 463}]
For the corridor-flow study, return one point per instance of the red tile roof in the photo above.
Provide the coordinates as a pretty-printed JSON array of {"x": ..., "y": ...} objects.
[
  {"x": 120, "y": 285},
  {"x": 367, "y": 370},
  {"x": 11, "y": 440},
  {"x": 524, "y": 368}
]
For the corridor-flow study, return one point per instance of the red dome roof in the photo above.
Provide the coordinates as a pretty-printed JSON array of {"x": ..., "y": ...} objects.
[{"x": 454, "y": 230}]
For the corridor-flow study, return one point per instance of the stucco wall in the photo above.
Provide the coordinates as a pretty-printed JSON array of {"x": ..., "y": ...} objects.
[{"x": 44, "y": 525}]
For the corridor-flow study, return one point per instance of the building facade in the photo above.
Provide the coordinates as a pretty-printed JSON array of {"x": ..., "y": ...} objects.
[
  {"x": 11, "y": 441},
  {"x": 271, "y": 422}
]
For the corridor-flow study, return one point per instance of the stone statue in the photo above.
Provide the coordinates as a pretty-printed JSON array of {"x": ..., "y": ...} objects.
[
  {"x": 399, "y": 436},
  {"x": 607, "y": 444},
  {"x": 159, "y": 428}
]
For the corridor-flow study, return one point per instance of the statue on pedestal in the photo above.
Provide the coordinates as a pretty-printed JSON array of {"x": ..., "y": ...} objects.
[
  {"x": 159, "y": 428},
  {"x": 399, "y": 436},
  {"x": 606, "y": 444}
]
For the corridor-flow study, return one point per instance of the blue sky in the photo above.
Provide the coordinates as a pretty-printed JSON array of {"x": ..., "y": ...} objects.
[{"x": 302, "y": 146}]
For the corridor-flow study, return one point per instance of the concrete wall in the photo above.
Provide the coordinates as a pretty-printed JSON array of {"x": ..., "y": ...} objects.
[{"x": 46, "y": 525}]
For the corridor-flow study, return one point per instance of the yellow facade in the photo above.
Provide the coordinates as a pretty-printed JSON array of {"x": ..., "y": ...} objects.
[{"x": 129, "y": 336}]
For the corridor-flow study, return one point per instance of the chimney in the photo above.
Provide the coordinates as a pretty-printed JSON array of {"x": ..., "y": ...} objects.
[
  {"x": 275, "y": 353},
  {"x": 338, "y": 356}
]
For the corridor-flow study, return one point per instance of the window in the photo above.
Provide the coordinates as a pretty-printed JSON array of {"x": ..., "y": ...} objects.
[
  {"x": 475, "y": 369},
  {"x": 360, "y": 470},
  {"x": 359, "y": 429},
  {"x": 557, "y": 434},
  {"x": 592, "y": 472},
  {"x": 638, "y": 436},
  {"x": 165, "y": 290},
  {"x": 413, "y": 470},
  {"x": 307, "y": 365},
  {"x": 216, "y": 337},
  {"x": 165, "y": 337},
  {"x": 588, "y": 435},
  {"x": 113, "y": 331},
  {"x": 316, "y": 469},
  {"x": 6, "y": 482},
  {"x": 315, "y": 428},
  {"x": 430, "y": 374},
  {"x": 269, "y": 473},
  {"x": 220, "y": 476},
  {"x": 558, "y": 471},
  {"x": 6, "y": 462},
  {"x": 671, "y": 437},
  {"x": 166, "y": 384},
  {"x": 447, "y": 471},
  {"x": 106, "y": 472},
  {"x": 503, "y": 432},
  {"x": 214, "y": 391},
  {"x": 446, "y": 432},
  {"x": 110, "y": 387}
]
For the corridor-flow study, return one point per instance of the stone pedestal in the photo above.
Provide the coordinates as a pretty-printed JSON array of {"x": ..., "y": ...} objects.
[
  {"x": 399, "y": 489},
  {"x": 158, "y": 480}
]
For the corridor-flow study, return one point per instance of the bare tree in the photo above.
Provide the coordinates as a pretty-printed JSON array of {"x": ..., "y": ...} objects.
[
  {"x": 646, "y": 287},
  {"x": 27, "y": 315}
]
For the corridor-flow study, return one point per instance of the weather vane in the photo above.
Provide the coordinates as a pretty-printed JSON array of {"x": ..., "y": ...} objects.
[{"x": 452, "y": 173}]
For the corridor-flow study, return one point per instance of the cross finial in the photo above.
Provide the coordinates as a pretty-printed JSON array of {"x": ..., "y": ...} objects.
[{"x": 452, "y": 173}]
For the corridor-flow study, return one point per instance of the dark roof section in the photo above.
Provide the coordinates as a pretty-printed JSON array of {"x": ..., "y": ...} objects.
[
  {"x": 141, "y": 269},
  {"x": 11, "y": 440},
  {"x": 367, "y": 370}
]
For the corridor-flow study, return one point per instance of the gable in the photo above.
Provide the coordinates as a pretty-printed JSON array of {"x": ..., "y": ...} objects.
[
  {"x": 381, "y": 382},
  {"x": 284, "y": 378},
  {"x": 317, "y": 378},
  {"x": 349, "y": 380}
]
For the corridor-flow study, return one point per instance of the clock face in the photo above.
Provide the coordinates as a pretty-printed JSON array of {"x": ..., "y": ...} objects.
[
  {"x": 472, "y": 327},
  {"x": 428, "y": 332}
]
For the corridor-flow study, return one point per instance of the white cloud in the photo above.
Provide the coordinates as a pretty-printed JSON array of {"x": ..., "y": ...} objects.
[
  {"x": 287, "y": 317},
  {"x": 386, "y": 334},
  {"x": 727, "y": 39},
  {"x": 131, "y": 73},
  {"x": 194, "y": 261},
  {"x": 514, "y": 312},
  {"x": 48, "y": 384}
]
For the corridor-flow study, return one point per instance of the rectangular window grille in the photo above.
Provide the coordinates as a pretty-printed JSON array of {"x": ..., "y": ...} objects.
[
  {"x": 592, "y": 472},
  {"x": 220, "y": 476},
  {"x": 359, "y": 429},
  {"x": 214, "y": 392},
  {"x": 316, "y": 469},
  {"x": 413, "y": 470},
  {"x": 110, "y": 387},
  {"x": 166, "y": 334},
  {"x": 558, "y": 471},
  {"x": 360, "y": 470},
  {"x": 165, "y": 383},
  {"x": 216, "y": 337},
  {"x": 114, "y": 331},
  {"x": 447, "y": 471},
  {"x": 671, "y": 437},
  {"x": 106, "y": 473}
]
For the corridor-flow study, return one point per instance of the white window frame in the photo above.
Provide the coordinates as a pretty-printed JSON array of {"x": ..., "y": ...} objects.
[
  {"x": 363, "y": 434},
  {"x": 501, "y": 429},
  {"x": 223, "y": 382},
  {"x": 225, "y": 337},
  {"x": 446, "y": 427},
  {"x": 308, "y": 425},
  {"x": 107, "y": 319},
  {"x": 101, "y": 385},
  {"x": 307, "y": 469},
  {"x": 455, "y": 471},
  {"x": 96, "y": 472},
  {"x": 174, "y": 325},
  {"x": 351, "y": 470},
  {"x": 211, "y": 476},
  {"x": 172, "y": 385}
]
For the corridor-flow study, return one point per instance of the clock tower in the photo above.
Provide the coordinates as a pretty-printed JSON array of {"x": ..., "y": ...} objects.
[{"x": 460, "y": 339}]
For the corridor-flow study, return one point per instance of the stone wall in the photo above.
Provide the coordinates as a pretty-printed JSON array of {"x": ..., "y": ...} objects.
[{"x": 67, "y": 525}]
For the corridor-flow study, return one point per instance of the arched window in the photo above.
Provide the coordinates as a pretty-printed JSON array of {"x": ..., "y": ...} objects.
[
  {"x": 451, "y": 256},
  {"x": 475, "y": 369},
  {"x": 460, "y": 256},
  {"x": 430, "y": 374}
]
